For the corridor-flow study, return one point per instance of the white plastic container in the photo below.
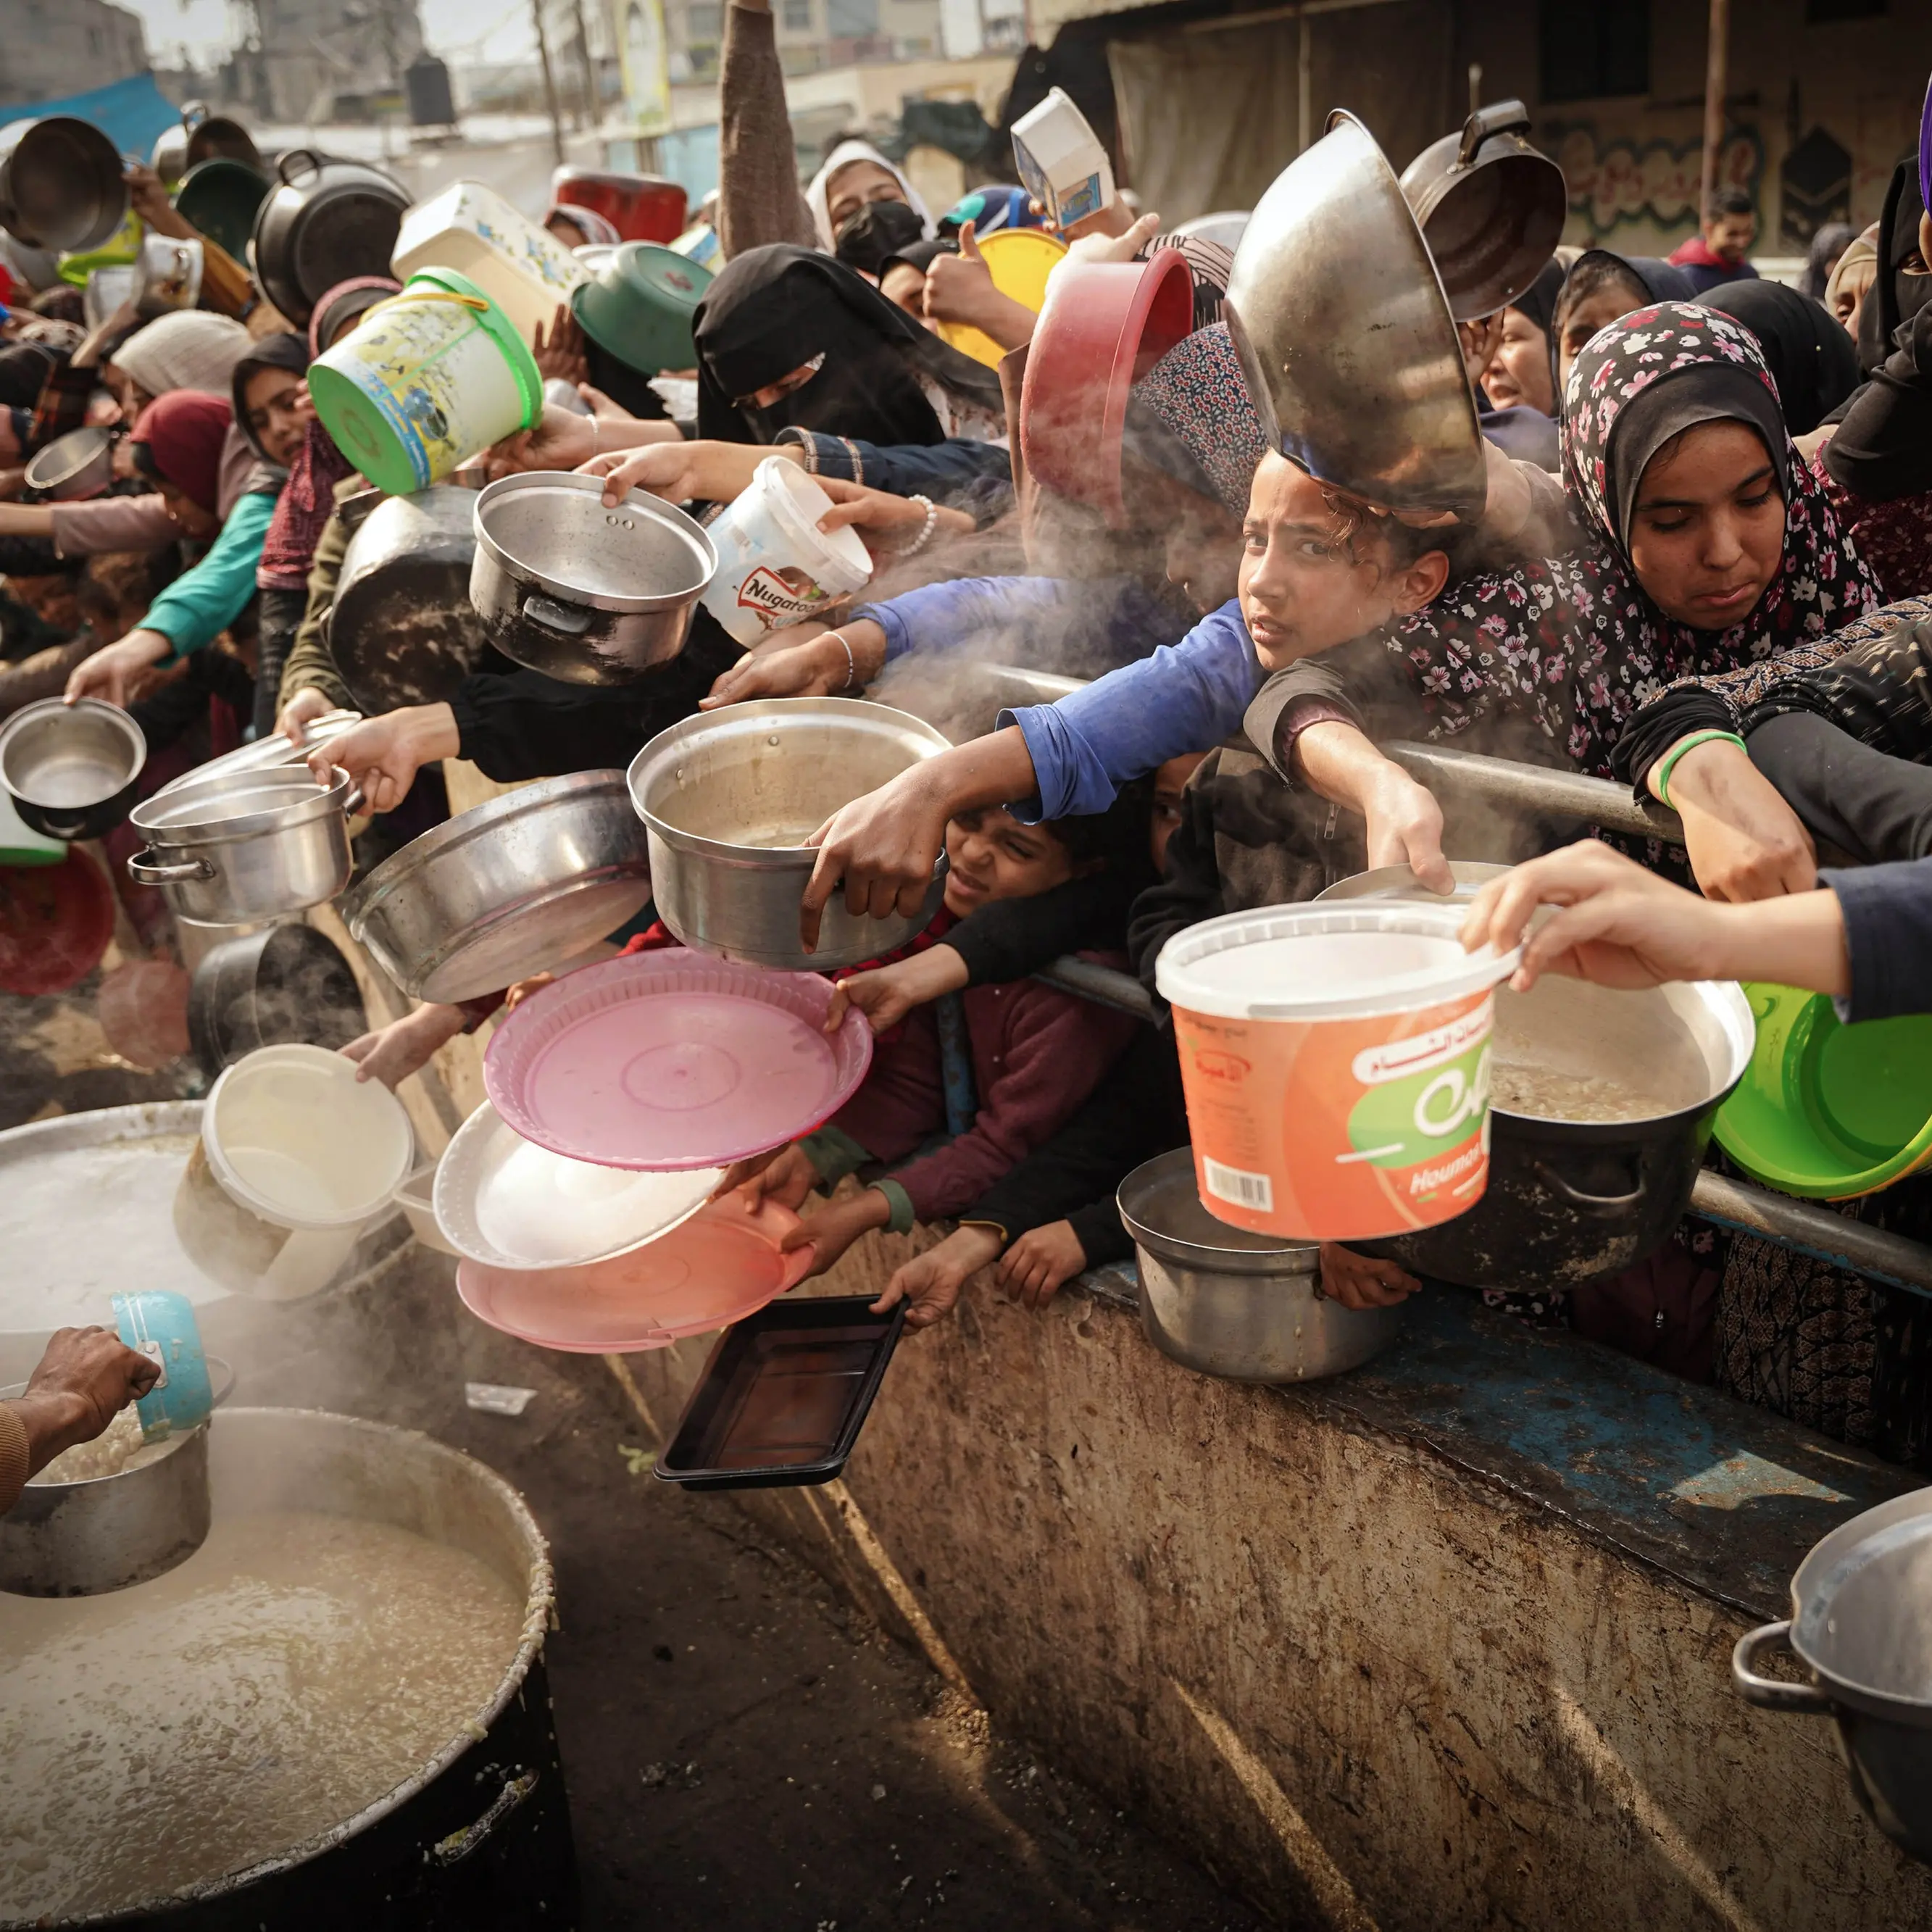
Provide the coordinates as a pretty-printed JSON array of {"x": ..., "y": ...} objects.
[
  {"x": 523, "y": 268},
  {"x": 1061, "y": 161},
  {"x": 775, "y": 566},
  {"x": 306, "y": 1158}
]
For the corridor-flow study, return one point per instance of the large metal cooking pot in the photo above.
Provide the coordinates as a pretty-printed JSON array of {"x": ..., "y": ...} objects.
[
  {"x": 509, "y": 888},
  {"x": 729, "y": 798},
  {"x": 1860, "y": 1623},
  {"x": 1569, "y": 1201},
  {"x": 479, "y": 1835},
  {"x": 244, "y": 846},
  {"x": 72, "y": 768},
  {"x": 325, "y": 221},
  {"x": 1491, "y": 208},
  {"x": 401, "y": 629},
  {"x": 579, "y": 591},
  {"x": 1345, "y": 337},
  {"x": 74, "y": 466},
  {"x": 61, "y": 184},
  {"x": 285, "y": 984},
  {"x": 1228, "y": 1302}
]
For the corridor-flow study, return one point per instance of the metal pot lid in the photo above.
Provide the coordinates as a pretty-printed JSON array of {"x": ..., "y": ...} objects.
[
  {"x": 238, "y": 805},
  {"x": 551, "y": 529},
  {"x": 66, "y": 757},
  {"x": 1160, "y": 1207},
  {"x": 272, "y": 753}
]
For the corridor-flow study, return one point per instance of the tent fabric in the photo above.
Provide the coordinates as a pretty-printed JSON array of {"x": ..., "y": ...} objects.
[{"x": 133, "y": 114}]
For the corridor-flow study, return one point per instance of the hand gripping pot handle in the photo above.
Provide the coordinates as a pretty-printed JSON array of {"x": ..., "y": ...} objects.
[
  {"x": 143, "y": 871},
  {"x": 1500, "y": 117},
  {"x": 1806, "y": 1699}
]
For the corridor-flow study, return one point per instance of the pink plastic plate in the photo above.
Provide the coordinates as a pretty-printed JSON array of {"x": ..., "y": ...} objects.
[
  {"x": 673, "y": 1059},
  {"x": 719, "y": 1266}
]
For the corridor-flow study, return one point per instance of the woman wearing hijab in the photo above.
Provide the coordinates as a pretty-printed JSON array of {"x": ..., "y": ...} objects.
[
  {"x": 1902, "y": 285},
  {"x": 856, "y": 174},
  {"x": 1851, "y": 276},
  {"x": 1811, "y": 359},
  {"x": 178, "y": 443},
  {"x": 1827, "y": 250},
  {"x": 1522, "y": 375},
  {"x": 1599, "y": 288}
]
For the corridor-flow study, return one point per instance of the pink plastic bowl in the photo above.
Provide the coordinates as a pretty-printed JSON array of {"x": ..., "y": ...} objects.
[
  {"x": 674, "y": 1059},
  {"x": 719, "y": 1266}
]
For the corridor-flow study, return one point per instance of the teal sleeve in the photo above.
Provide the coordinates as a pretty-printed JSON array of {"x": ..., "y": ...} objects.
[
  {"x": 900, "y": 1201},
  {"x": 835, "y": 1154},
  {"x": 202, "y": 602}
]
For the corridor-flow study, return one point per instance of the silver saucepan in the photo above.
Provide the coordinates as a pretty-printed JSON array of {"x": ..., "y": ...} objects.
[{"x": 72, "y": 768}]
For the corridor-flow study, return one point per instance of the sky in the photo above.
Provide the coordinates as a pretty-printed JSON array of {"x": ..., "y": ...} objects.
[{"x": 471, "y": 30}]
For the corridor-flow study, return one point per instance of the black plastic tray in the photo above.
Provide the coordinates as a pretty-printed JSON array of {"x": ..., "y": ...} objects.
[{"x": 784, "y": 1396}]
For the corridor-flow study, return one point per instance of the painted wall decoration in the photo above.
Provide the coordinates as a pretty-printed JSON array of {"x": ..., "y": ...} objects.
[
  {"x": 1815, "y": 181},
  {"x": 1617, "y": 181}
]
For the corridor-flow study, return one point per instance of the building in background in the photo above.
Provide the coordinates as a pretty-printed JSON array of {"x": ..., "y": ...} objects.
[
  {"x": 320, "y": 60},
  {"x": 52, "y": 48},
  {"x": 811, "y": 34}
]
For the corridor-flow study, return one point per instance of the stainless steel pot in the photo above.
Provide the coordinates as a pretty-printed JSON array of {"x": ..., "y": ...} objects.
[
  {"x": 1345, "y": 337},
  {"x": 74, "y": 466},
  {"x": 323, "y": 222},
  {"x": 505, "y": 889},
  {"x": 169, "y": 269},
  {"x": 268, "y": 754},
  {"x": 729, "y": 798},
  {"x": 1569, "y": 1201},
  {"x": 285, "y": 984},
  {"x": 246, "y": 846},
  {"x": 1860, "y": 1624},
  {"x": 401, "y": 627},
  {"x": 582, "y": 592},
  {"x": 1228, "y": 1302},
  {"x": 199, "y": 136},
  {"x": 61, "y": 185},
  {"x": 72, "y": 768},
  {"x": 1490, "y": 206}
]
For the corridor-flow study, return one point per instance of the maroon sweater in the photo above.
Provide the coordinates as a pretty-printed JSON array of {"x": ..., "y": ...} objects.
[{"x": 1037, "y": 1054}]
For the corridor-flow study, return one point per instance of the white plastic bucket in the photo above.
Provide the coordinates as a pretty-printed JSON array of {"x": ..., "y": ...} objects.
[
  {"x": 524, "y": 268},
  {"x": 1061, "y": 160},
  {"x": 1336, "y": 1062},
  {"x": 308, "y": 1156},
  {"x": 775, "y": 566}
]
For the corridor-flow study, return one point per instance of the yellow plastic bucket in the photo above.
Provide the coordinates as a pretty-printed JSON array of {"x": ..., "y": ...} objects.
[{"x": 1019, "y": 260}]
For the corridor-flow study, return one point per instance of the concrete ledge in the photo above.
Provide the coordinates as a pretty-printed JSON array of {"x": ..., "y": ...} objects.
[{"x": 1443, "y": 1643}]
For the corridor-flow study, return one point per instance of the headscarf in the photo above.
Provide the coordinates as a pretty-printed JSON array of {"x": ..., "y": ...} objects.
[
  {"x": 1190, "y": 417},
  {"x": 598, "y": 231},
  {"x": 178, "y": 440},
  {"x": 990, "y": 209},
  {"x": 818, "y": 195},
  {"x": 773, "y": 309},
  {"x": 271, "y": 352},
  {"x": 1882, "y": 450},
  {"x": 1811, "y": 357},
  {"x": 1209, "y": 265},
  {"x": 346, "y": 302},
  {"x": 25, "y": 368},
  {"x": 1538, "y": 302},
  {"x": 879, "y": 230},
  {"x": 1827, "y": 246},
  {"x": 1894, "y": 297},
  {"x": 1859, "y": 252},
  {"x": 189, "y": 349}
]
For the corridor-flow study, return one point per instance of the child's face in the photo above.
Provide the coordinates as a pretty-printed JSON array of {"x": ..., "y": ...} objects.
[
  {"x": 990, "y": 855},
  {"x": 1170, "y": 781}
]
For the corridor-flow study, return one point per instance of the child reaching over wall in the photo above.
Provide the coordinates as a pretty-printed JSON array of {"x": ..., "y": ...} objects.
[{"x": 1036, "y": 1053}]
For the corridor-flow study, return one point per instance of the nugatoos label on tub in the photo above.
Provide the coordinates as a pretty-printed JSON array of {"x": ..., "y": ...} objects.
[{"x": 1340, "y": 1130}]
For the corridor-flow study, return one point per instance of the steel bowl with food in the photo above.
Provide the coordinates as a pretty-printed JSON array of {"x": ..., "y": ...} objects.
[
  {"x": 1601, "y": 1105},
  {"x": 1228, "y": 1302},
  {"x": 72, "y": 768},
  {"x": 582, "y": 591},
  {"x": 729, "y": 799}
]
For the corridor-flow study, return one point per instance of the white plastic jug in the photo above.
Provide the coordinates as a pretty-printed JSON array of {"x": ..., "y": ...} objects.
[
  {"x": 775, "y": 566},
  {"x": 523, "y": 268},
  {"x": 1061, "y": 161}
]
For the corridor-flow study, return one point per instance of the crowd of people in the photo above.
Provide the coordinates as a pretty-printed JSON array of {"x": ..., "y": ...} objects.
[{"x": 1703, "y": 567}]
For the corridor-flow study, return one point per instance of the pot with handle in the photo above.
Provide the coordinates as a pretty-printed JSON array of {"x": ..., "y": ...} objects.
[
  {"x": 1859, "y": 1625},
  {"x": 62, "y": 186},
  {"x": 72, "y": 768},
  {"x": 324, "y": 221},
  {"x": 247, "y": 846}
]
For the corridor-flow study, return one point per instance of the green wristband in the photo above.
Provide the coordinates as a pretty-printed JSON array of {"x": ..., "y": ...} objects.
[{"x": 1677, "y": 751}]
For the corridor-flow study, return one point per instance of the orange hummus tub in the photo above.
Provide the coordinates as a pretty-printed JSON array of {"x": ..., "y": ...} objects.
[{"x": 1335, "y": 1061}]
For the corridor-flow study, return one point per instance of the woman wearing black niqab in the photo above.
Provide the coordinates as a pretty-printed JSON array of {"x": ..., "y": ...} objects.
[
  {"x": 1901, "y": 288},
  {"x": 841, "y": 359}
]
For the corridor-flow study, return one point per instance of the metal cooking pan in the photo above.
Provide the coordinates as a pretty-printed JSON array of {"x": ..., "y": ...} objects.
[
  {"x": 61, "y": 184},
  {"x": 73, "y": 770},
  {"x": 286, "y": 984}
]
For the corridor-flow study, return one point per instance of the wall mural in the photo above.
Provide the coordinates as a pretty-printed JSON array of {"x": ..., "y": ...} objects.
[{"x": 1620, "y": 180}]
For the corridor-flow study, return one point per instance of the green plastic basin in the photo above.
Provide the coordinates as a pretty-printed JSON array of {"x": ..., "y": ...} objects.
[{"x": 640, "y": 303}]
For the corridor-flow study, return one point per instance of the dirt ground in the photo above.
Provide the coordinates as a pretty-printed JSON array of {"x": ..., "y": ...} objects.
[{"x": 741, "y": 1750}]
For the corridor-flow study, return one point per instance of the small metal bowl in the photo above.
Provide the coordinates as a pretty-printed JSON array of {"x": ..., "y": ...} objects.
[
  {"x": 72, "y": 768},
  {"x": 73, "y": 466}
]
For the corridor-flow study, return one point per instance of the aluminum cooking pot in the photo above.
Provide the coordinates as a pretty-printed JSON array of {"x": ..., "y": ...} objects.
[
  {"x": 61, "y": 184},
  {"x": 1568, "y": 1200},
  {"x": 169, "y": 269},
  {"x": 199, "y": 136},
  {"x": 1859, "y": 1623},
  {"x": 268, "y": 754},
  {"x": 325, "y": 221},
  {"x": 283, "y": 985},
  {"x": 401, "y": 627},
  {"x": 1491, "y": 208},
  {"x": 244, "y": 846},
  {"x": 1228, "y": 1302},
  {"x": 582, "y": 592},
  {"x": 73, "y": 466},
  {"x": 729, "y": 798},
  {"x": 72, "y": 768},
  {"x": 1345, "y": 337},
  {"x": 509, "y": 888}
]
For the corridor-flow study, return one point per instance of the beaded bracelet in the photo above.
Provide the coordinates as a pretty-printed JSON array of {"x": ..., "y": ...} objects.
[
  {"x": 925, "y": 537},
  {"x": 1677, "y": 751}
]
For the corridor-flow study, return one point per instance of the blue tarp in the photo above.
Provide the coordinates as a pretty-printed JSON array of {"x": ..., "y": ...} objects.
[{"x": 133, "y": 114}]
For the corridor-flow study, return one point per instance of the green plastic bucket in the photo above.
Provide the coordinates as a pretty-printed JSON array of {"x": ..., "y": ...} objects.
[
  {"x": 220, "y": 197},
  {"x": 1825, "y": 1110},
  {"x": 424, "y": 381},
  {"x": 639, "y": 304}
]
